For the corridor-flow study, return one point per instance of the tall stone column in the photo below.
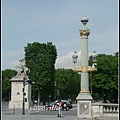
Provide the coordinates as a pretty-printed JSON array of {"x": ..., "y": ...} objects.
[
  {"x": 84, "y": 33},
  {"x": 84, "y": 97}
]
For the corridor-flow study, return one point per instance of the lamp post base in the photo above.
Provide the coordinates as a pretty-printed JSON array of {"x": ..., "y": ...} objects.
[{"x": 84, "y": 105}]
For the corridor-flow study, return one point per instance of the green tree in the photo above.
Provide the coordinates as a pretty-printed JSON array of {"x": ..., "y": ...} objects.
[
  {"x": 105, "y": 79},
  {"x": 40, "y": 59},
  {"x": 6, "y": 85},
  {"x": 68, "y": 83}
]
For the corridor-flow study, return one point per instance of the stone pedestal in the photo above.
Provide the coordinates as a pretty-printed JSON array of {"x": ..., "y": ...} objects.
[
  {"x": 17, "y": 92},
  {"x": 84, "y": 105}
]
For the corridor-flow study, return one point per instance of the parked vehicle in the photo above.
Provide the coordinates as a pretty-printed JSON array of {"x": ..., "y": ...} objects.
[
  {"x": 66, "y": 104},
  {"x": 35, "y": 102},
  {"x": 48, "y": 104}
]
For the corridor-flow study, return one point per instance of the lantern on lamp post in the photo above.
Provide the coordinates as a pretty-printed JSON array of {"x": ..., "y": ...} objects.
[
  {"x": 75, "y": 56},
  {"x": 94, "y": 57}
]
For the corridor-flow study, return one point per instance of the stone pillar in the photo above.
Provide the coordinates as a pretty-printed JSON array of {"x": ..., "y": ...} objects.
[
  {"x": 84, "y": 97},
  {"x": 17, "y": 92}
]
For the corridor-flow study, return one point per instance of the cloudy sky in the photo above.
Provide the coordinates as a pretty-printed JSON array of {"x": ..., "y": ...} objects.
[{"x": 57, "y": 21}]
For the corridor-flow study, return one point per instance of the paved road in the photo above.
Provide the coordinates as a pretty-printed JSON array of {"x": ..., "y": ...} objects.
[
  {"x": 7, "y": 111},
  {"x": 7, "y": 114}
]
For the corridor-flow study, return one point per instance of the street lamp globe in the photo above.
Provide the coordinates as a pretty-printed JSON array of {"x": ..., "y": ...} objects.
[
  {"x": 94, "y": 57},
  {"x": 75, "y": 56},
  {"x": 55, "y": 83}
]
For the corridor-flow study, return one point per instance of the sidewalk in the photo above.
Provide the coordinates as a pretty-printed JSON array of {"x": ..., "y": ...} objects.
[
  {"x": 36, "y": 117},
  {"x": 49, "y": 117},
  {"x": 8, "y": 114}
]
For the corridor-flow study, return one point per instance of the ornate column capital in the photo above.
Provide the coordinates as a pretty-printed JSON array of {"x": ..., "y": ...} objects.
[{"x": 84, "y": 33}]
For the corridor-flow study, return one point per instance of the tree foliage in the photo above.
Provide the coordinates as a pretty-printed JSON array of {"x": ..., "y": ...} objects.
[
  {"x": 6, "y": 85},
  {"x": 68, "y": 83},
  {"x": 40, "y": 59},
  {"x": 105, "y": 79}
]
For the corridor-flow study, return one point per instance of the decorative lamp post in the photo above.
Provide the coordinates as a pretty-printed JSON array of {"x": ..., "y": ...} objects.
[
  {"x": 58, "y": 94},
  {"x": 92, "y": 60},
  {"x": 84, "y": 97},
  {"x": 55, "y": 89},
  {"x": 33, "y": 92},
  {"x": 23, "y": 110}
]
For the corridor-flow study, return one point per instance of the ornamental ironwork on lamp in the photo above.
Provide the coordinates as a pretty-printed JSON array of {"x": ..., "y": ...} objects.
[{"x": 85, "y": 68}]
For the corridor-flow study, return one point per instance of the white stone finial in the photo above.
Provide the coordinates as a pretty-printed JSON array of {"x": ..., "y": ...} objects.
[{"x": 84, "y": 20}]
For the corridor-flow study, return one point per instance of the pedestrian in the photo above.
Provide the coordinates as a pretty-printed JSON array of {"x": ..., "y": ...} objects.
[{"x": 60, "y": 108}]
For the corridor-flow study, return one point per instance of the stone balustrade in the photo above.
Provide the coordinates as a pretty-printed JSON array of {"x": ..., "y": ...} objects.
[
  {"x": 104, "y": 109},
  {"x": 110, "y": 108}
]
